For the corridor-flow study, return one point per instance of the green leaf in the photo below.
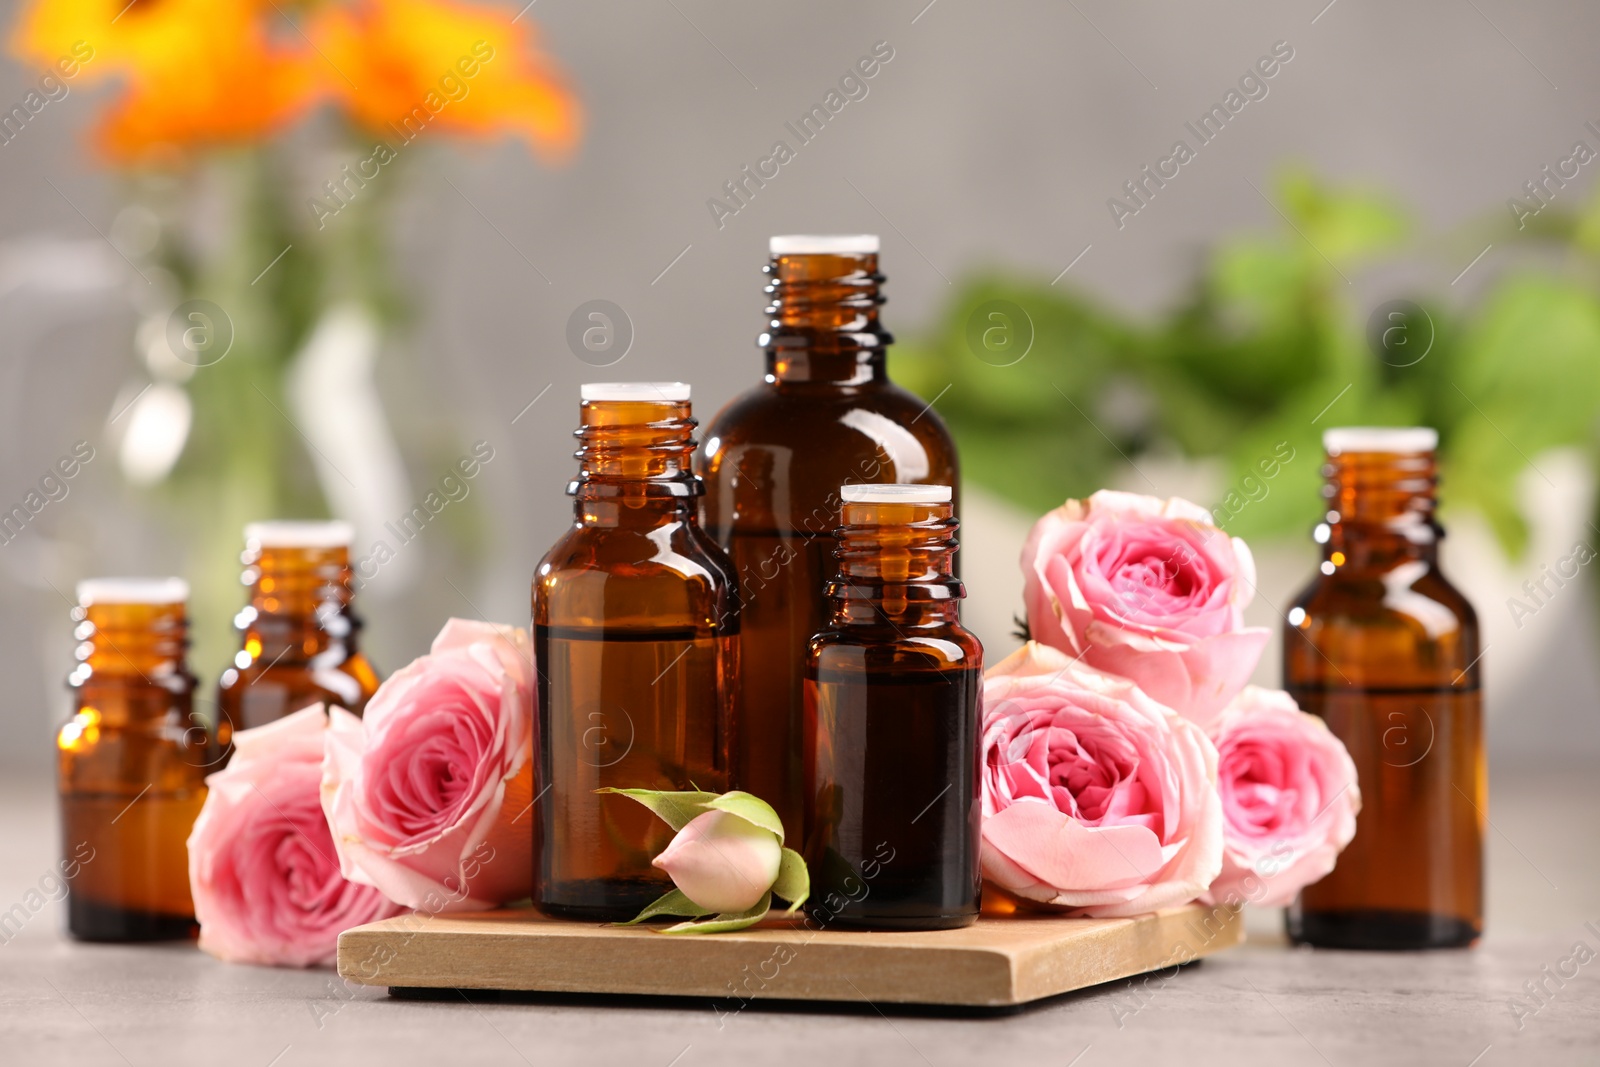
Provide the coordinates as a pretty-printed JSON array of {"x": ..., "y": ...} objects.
[
  {"x": 726, "y": 922},
  {"x": 794, "y": 881},
  {"x": 672, "y": 903},
  {"x": 750, "y": 808},
  {"x": 675, "y": 809}
]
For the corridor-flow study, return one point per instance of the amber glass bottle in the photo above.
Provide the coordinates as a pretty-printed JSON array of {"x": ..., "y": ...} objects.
[
  {"x": 635, "y": 628},
  {"x": 891, "y": 722},
  {"x": 825, "y": 415},
  {"x": 298, "y": 634},
  {"x": 131, "y": 763},
  {"x": 1385, "y": 650}
]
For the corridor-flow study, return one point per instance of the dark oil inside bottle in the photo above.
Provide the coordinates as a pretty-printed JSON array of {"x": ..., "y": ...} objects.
[
  {"x": 1386, "y": 651},
  {"x": 133, "y": 864},
  {"x": 895, "y": 788},
  {"x": 628, "y": 709},
  {"x": 1413, "y": 875}
]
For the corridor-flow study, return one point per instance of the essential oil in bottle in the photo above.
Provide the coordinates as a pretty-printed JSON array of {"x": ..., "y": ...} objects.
[
  {"x": 131, "y": 763},
  {"x": 635, "y": 623},
  {"x": 1385, "y": 650},
  {"x": 891, "y": 723},
  {"x": 825, "y": 415},
  {"x": 298, "y": 634}
]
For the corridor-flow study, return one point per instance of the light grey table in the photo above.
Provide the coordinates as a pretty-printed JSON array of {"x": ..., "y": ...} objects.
[{"x": 1265, "y": 1002}]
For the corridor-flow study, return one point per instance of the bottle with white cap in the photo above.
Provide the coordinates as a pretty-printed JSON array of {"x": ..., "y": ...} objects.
[
  {"x": 635, "y": 624},
  {"x": 1385, "y": 650},
  {"x": 824, "y": 415},
  {"x": 298, "y": 635},
  {"x": 131, "y": 763},
  {"x": 891, "y": 723}
]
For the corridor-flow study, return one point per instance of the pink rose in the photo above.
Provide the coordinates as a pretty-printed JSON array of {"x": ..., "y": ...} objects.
[
  {"x": 1147, "y": 589},
  {"x": 430, "y": 794},
  {"x": 266, "y": 886},
  {"x": 1095, "y": 797},
  {"x": 1289, "y": 799}
]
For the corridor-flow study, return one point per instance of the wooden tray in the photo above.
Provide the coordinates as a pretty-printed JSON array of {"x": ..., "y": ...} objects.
[{"x": 997, "y": 962}]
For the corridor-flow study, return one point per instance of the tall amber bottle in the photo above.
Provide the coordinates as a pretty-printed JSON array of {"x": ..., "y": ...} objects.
[
  {"x": 891, "y": 723},
  {"x": 131, "y": 763},
  {"x": 298, "y": 635},
  {"x": 635, "y": 627},
  {"x": 825, "y": 415},
  {"x": 1385, "y": 650}
]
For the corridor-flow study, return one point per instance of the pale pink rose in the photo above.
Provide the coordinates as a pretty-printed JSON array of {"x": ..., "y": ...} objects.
[
  {"x": 266, "y": 885},
  {"x": 1148, "y": 589},
  {"x": 430, "y": 794},
  {"x": 1095, "y": 797},
  {"x": 722, "y": 862},
  {"x": 1289, "y": 799}
]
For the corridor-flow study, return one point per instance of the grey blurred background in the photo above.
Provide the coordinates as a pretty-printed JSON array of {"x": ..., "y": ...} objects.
[{"x": 994, "y": 136}]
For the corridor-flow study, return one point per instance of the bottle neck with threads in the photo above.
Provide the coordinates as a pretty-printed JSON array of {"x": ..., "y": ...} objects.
[
  {"x": 299, "y": 577},
  {"x": 895, "y": 558},
  {"x": 636, "y": 440},
  {"x": 132, "y": 632},
  {"x": 1381, "y": 492},
  {"x": 823, "y": 319}
]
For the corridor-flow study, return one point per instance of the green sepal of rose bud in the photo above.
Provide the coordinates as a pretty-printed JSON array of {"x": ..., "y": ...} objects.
[{"x": 727, "y": 860}]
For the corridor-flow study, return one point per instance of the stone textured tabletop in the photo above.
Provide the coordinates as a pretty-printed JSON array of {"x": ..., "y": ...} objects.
[{"x": 64, "y": 1003}]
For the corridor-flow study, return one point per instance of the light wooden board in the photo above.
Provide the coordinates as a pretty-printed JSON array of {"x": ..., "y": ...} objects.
[{"x": 998, "y": 961}]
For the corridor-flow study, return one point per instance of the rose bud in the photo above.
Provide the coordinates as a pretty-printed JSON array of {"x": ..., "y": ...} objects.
[
  {"x": 727, "y": 859},
  {"x": 1096, "y": 799},
  {"x": 430, "y": 793},
  {"x": 1289, "y": 799},
  {"x": 722, "y": 862},
  {"x": 1148, "y": 589},
  {"x": 266, "y": 886}
]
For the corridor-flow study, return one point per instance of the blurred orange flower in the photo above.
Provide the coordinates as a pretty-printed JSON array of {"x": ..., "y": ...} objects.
[
  {"x": 405, "y": 63},
  {"x": 200, "y": 73}
]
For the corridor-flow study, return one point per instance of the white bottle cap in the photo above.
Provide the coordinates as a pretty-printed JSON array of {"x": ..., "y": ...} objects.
[
  {"x": 897, "y": 493},
  {"x": 299, "y": 533},
  {"x": 1398, "y": 439},
  {"x": 132, "y": 591},
  {"x": 823, "y": 244},
  {"x": 639, "y": 392}
]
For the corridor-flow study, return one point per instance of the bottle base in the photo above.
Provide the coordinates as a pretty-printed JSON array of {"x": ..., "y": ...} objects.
[
  {"x": 600, "y": 900},
  {"x": 892, "y": 921},
  {"x": 1373, "y": 929},
  {"x": 89, "y": 921}
]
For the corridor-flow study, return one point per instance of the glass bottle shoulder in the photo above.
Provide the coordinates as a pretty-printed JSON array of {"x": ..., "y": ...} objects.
[
  {"x": 1400, "y": 626},
  {"x": 832, "y": 422},
  {"x": 627, "y": 576},
  {"x": 885, "y": 649}
]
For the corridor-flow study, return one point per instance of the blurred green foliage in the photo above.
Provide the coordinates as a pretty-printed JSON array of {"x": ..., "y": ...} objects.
[{"x": 1269, "y": 338}]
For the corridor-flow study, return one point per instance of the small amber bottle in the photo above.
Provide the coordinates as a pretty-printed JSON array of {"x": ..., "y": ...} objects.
[
  {"x": 131, "y": 763},
  {"x": 1385, "y": 650},
  {"x": 825, "y": 415},
  {"x": 298, "y": 634},
  {"x": 635, "y": 627},
  {"x": 891, "y": 723}
]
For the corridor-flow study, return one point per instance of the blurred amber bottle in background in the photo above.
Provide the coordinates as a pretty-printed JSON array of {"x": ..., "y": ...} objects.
[
  {"x": 635, "y": 629},
  {"x": 1385, "y": 650},
  {"x": 298, "y": 634},
  {"x": 825, "y": 415},
  {"x": 891, "y": 723},
  {"x": 131, "y": 763}
]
